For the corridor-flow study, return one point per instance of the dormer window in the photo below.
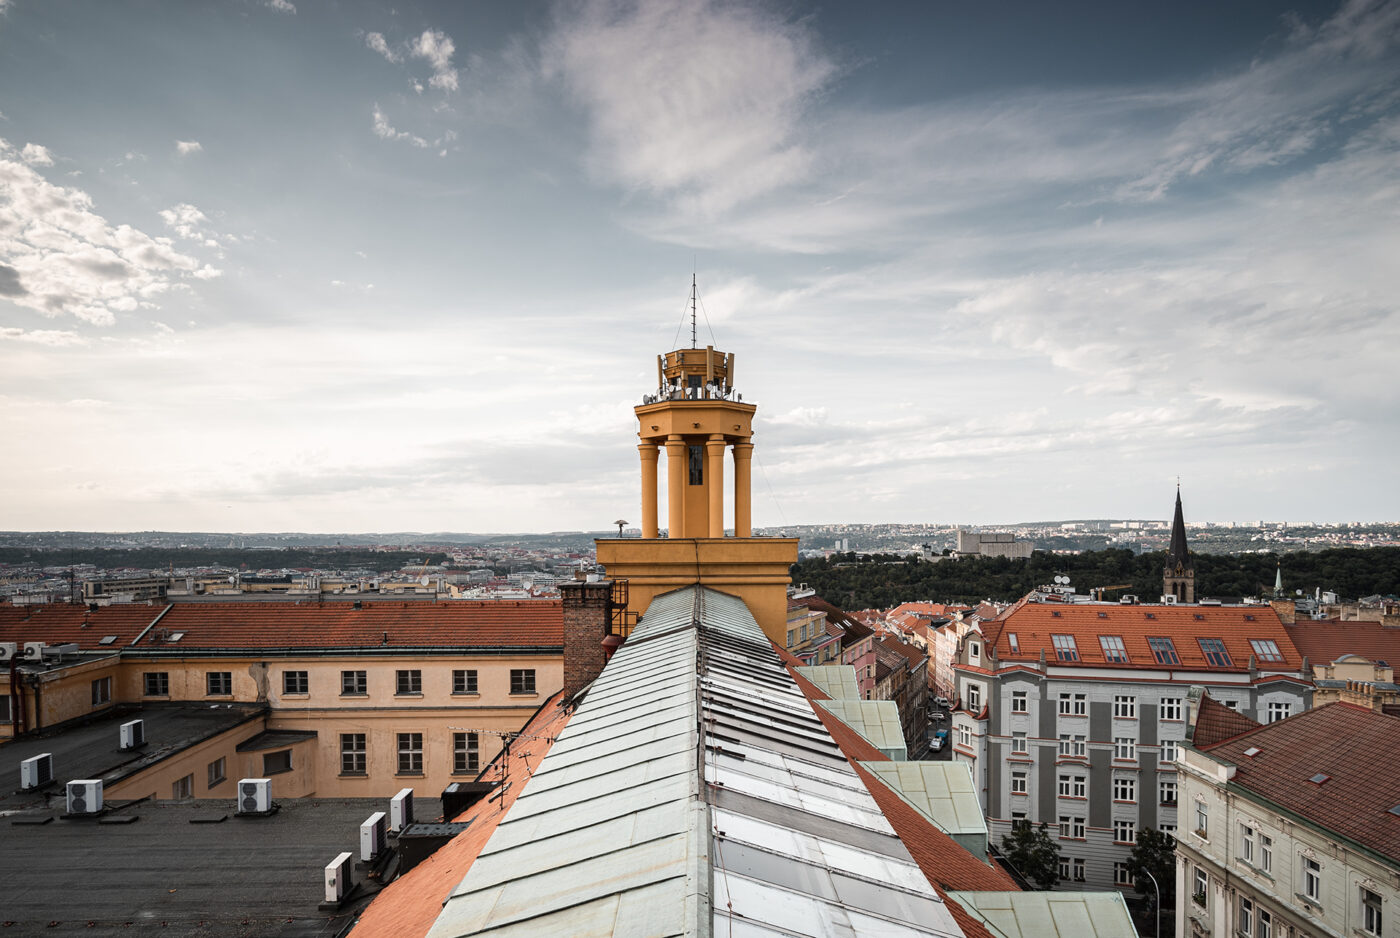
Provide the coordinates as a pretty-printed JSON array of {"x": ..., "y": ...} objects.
[
  {"x": 1014, "y": 642},
  {"x": 1065, "y": 648}
]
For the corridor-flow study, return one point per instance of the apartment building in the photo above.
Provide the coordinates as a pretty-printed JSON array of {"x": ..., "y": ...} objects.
[
  {"x": 1291, "y": 828},
  {"x": 1074, "y": 713}
]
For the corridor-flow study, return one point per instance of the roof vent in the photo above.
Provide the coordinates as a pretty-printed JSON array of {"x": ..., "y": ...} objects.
[
  {"x": 1248, "y": 617},
  {"x": 1055, "y": 613},
  {"x": 1253, "y": 751},
  {"x": 1151, "y": 615},
  {"x": 1320, "y": 777},
  {"x": 1395, "y": 810},
  {"x": 1103, "y": 615},
  {"x": 106, "y": 640}
]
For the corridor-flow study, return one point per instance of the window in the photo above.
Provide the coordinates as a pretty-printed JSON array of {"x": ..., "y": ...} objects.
[
  {"x": 1266, "y": 925},
  {"x": 697, "y": 465},
  {"x": 1124, "y": 747},
  {"x": 464, "y": 682},
  {"x": 1124, "y": 788},
  {"x": 1247, "y": 844},
  {"x": 1168, "y": 829},
  {"x": 1124, "y": 708},
  {"x": 101, "y": 691},
  {"x": 1072, "y": 786},
  {"x": 1013, "y": 642},
  {"x": 522, "y": 680},
  {"x": 1078, "y": 863},
  {"x": 274, "y": 762},
  {"x": 1370, "y": 912},
  {"x": 466, "y": 753},
  {"x": 1113, "y": 649},
  {"x": 1074, "y": 705},
  {"x": 1166, "y": 792},
  {"x": 353, "y": 684},
  {"x": 964, "y": 736},
  {"x": 1214, "y": 650},
  {"x": 1019, "y": 702},
  {"x": 1071, "y": 828},
  {"x": 1121, "y": 876},
  {"x": 408, "y": 682},
  {"x": 1064, "y": 867},
  {"x": 1312, "y": 879},
  {"x": 1198, "y": 886},
  {"x": 295, "y": 682},
  {"x": 1019, "y": 821},
  {"x": 1266, "y": 852},
  {"x": 1170, "y": 708},
  {"x": 1265, "y": 649},
  {"x": 974, "y": 697},
  {"x": 1065, "y": 648},
  {"x": 1279, "y": 710},
  {"x": 217, "y": 772},
  {"x": 1232, "y": 704},
  {"x": 218, "y": 683},
  {"x": 1073, "y": 747},
  {"x": 1246, "y": 915},
  {"x": 1018, "y": 783},
  {"x": 410, "y": 753},
  {"x": 1169, "y": 750},
  {"x": 1124, "y": 832},
  {"x": 157, "y": 683},
  {"x": 1018, "y": 744},
  {"x": 1163, "y": 650},
  {"x": 1202, "y": 819},
  {"x": 183, "y": 788},
  {"x": 352, "y": 754},
  {"x": 5, "y": 716},
  {"x": 974, "y": 650}
]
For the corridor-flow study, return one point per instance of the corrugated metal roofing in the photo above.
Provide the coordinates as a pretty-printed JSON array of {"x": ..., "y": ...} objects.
[
  {"x": 876, "y": 720},
  {"x": 695, "y": 791}
]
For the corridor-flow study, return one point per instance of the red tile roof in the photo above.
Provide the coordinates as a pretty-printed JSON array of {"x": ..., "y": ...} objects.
[
  {"x": 1361, "y": 787},
  {"x": 60, "y": 623},
  {"x": 408, "y": 907},
  {"x": 1216, "y": 722},
  {"x": 378, "y": 624},
  {"x": 1035, "y": 623},
  {"x": 1325, "y": 642}
]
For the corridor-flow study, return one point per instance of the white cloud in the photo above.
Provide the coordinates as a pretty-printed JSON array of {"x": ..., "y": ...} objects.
[
  {"x": 187, "y": 220},
  {"x": 36, "y": 155},
  {"x": 186, "y": 147},
  {"x": 696, "y": 101},
  {"x": 282, "y": 6},
  {"x": 437, "y": 48},
  {"x": 377, "y": 42},
  {"x": 50, "y": 337},
  {"x": 385, "y": 131},
  {"x": 59, "y": 257}
]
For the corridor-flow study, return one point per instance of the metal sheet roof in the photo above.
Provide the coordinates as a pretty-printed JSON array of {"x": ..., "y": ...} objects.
[
  {"x": 695, "y": 792},
  {"x": 1050, "y": 914},
  {"x": 876, "y": 720},
  {"x": 837, "y": 681},
  {"x": 942, "y": 791}
]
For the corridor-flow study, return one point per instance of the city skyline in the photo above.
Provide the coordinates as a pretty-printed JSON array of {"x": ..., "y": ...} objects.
[{"x": 283, "y": 265}]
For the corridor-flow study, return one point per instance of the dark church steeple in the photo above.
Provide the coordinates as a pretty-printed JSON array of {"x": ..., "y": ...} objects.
[{"x": 1179, "y": 575}]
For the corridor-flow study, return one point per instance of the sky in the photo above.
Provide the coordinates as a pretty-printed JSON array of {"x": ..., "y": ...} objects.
[{"x": 342, "y": 265}]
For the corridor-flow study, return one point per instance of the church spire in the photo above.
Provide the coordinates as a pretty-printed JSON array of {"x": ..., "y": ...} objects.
[
  {"x": 1177, "y": 552},
  {"x": 1179, "y": 573}
]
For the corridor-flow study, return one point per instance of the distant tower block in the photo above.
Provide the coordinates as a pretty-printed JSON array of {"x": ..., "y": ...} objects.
[
  {"x": 695, "y": 415},
  {"x": 1179, "y": 574}
]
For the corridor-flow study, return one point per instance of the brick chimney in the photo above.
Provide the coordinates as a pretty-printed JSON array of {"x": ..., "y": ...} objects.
[{"x": 587, "y": 607}]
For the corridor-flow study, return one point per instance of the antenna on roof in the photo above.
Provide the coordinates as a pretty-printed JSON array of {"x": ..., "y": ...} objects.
[{"x": 693, "y": 341}]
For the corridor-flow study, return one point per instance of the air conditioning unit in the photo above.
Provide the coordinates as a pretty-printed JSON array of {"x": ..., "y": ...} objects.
[
  {"x": 85, "y": 796},
  {"x": 133, "y": 734},
  {"x": 401, "y": 810},
  {"x": 338, "y": 881},
  {"x": 36, "y": 771},
  {"x": 8, "y": 650},
  {"x": 254, "y": 795},
  {"x": 373, "y": 836},
  {"x": 33, "y": 651},
  {"x": 1169, "y": 599}
]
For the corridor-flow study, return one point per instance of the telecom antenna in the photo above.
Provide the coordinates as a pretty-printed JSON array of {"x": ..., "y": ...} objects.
[{"x": 693, "y": 342}]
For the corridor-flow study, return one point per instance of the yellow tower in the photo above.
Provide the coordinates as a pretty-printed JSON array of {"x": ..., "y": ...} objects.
[{"x": 694, "y": 416}]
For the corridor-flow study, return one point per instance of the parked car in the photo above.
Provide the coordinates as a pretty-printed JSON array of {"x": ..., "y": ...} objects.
[
  {"x": 941, "y": 701},
  {"x": 940, "y": 739},
  {"x": 938, "y": 716}
]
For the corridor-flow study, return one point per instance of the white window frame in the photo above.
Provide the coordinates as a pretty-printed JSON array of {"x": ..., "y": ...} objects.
[
  {"x": 1170, "y": 708},
  {"x": 1023, "y": 699},
  {"x": 1020, "y": 745},
  {"x": 1203, "y": 819},
  {"x": 1121, "y": 876},
  {"x": 1124, "y": 707},
  {"x": 1279, "y": 710},
  {"x": 1247, "y": 844},
  {"x": 1020, "y": 783},
  {"x": 1246, "y": 915},
  {"x": 1124, "y": 789},
  {"x": 1123, "y": 827},
  {"x": 1125, "y": 748},
  {"x": 1170, "y": 750},
  {"x": 1266, "y": 852},
  {"x": 974, "y": 696},
  {"x": 1166, "y": 787},
  {"x": 1311, "y": 878},
  {"x": 1372, "y": 919}
]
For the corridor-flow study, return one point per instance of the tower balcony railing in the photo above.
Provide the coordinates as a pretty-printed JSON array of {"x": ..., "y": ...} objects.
[{"x": 708, "y": 392}]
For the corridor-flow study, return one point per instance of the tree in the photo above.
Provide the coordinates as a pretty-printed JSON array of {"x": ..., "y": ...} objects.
[
  {"x": 1154, "y": 852},
  {"x": 1033, "y": 853}
]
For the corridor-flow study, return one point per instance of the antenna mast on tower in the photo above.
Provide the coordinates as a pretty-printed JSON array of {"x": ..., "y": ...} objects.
[{"x": 693, "y": 342}]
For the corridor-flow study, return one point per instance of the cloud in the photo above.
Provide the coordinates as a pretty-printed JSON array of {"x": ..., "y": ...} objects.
[
  {"x": 385, "y": 131},
  {"x": 282, "y": 6},
  {"x": 695, "y": 101},
  {"x": 187, "y": 220},
  {"x": 59, "y": 257},
  {"x": 50, "y": 337},
  {"x": 377, "y": 42},
  {"x": 436, "y": 47},
  {"x": 186, "y": 147},
  {"x": 36, "y": 155}
]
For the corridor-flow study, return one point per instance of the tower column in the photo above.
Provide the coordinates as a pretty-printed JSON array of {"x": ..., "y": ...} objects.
[
  {"x": 675, "y": 485},
  {"x": 743, "y": 459},
  {"x": 649, "y": 453},
  {"x": 714, "y": 483}
]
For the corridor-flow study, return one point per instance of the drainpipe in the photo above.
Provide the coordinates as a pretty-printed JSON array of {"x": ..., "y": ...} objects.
[{"x": 17, "y": 714}]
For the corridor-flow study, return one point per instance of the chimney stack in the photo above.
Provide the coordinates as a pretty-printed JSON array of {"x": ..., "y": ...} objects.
[{"x": 587, "y": 608}]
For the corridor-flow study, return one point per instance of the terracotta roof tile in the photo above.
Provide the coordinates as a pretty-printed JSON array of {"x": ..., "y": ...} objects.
[
  {"x": 1216, "y": 722},
  {"x": 379, "y": 624},
  {"x": 1035, "y": 623},
  {"x": 60, "y": 623},
  {"x": 1325, "y": 642},
  {"x": 1361, "y": 787},
  {"x": 408, "y": 907}
]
